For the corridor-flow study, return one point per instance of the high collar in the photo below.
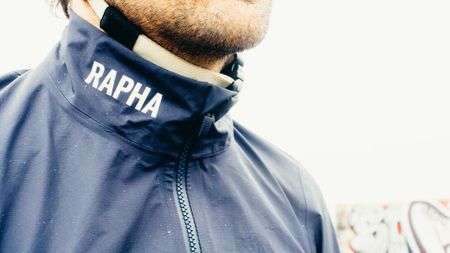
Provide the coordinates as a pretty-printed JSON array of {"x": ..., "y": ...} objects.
[{"x": 176, "y": 105}]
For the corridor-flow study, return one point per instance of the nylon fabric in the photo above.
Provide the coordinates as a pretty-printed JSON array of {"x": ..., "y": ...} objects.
[{"x": 89, "y": 145}]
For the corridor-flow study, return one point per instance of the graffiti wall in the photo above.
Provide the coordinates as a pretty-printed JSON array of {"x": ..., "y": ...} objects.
[{"x": 413, "y": 227}]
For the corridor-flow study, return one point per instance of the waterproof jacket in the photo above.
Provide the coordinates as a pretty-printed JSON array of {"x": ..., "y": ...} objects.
[{"x": 103, "y": 151}]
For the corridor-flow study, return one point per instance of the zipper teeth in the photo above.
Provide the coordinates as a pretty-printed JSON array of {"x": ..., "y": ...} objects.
[{"x": 183, "y": 201}]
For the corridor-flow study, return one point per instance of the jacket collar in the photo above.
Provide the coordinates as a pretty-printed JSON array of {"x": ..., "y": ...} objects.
[{"x": 151, "y": 107}]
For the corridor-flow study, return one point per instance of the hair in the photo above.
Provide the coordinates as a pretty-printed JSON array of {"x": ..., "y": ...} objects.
[{"x": 64, "y": 4}]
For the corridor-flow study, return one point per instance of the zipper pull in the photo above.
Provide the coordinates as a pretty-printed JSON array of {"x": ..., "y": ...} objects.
[{"x": 207, "y": 121}]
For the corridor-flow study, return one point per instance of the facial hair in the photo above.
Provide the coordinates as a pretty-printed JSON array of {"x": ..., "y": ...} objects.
[{"x": 203, "y": 29}]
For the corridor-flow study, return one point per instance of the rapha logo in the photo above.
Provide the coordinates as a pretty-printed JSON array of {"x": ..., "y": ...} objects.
[{"x": 125, "y": 86}]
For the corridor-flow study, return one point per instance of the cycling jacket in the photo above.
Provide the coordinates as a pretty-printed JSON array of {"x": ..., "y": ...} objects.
[{"x": 104, "y": 151}]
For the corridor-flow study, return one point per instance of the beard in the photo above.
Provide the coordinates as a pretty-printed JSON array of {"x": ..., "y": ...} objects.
[{"x": 200, "y": 28}]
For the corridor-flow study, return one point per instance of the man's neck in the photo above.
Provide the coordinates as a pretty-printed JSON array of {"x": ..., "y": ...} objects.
[{"x": 85, "y": 11}]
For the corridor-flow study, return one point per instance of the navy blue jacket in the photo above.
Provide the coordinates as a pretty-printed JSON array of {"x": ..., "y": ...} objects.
[{"x": 138, "y": 159}]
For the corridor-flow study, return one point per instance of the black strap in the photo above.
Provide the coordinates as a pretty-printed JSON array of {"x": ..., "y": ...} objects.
[{"x": 116, "y": 25}]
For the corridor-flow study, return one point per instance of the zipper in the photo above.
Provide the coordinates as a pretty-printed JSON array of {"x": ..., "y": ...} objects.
[
  {"x": 189, "y": 228},
  {"x": 190, "y": 235}
]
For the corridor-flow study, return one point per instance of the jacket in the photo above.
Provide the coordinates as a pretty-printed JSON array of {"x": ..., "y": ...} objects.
[{"x": 103, "y": 151}]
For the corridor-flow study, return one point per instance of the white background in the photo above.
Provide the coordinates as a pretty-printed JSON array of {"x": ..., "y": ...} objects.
[{"x": 357, "y": 90}]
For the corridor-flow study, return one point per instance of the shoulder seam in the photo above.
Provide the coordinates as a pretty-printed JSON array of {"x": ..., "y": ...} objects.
[
  {"x": 302, "y": 185},
  {"x": 20, "y": 72}
]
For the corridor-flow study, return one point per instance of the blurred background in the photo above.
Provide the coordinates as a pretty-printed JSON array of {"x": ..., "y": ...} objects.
[{"x": 357, "y": 90}]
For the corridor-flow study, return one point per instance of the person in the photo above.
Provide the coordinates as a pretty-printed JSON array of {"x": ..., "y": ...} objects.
[{"x": 121, "y": 140}]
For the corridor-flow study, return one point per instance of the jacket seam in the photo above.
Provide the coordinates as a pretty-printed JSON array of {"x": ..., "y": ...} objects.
[
  {"x": 17, "y": 73},
  {"x": 306, "y": 209},
  {"x": 106, "y": 128},
  {"x": 135, "y": 144},
  {"x": 213, "y": 154}
]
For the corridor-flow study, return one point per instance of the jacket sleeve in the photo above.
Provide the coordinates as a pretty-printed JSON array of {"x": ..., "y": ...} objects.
[{"x": 321, "y": 231}]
